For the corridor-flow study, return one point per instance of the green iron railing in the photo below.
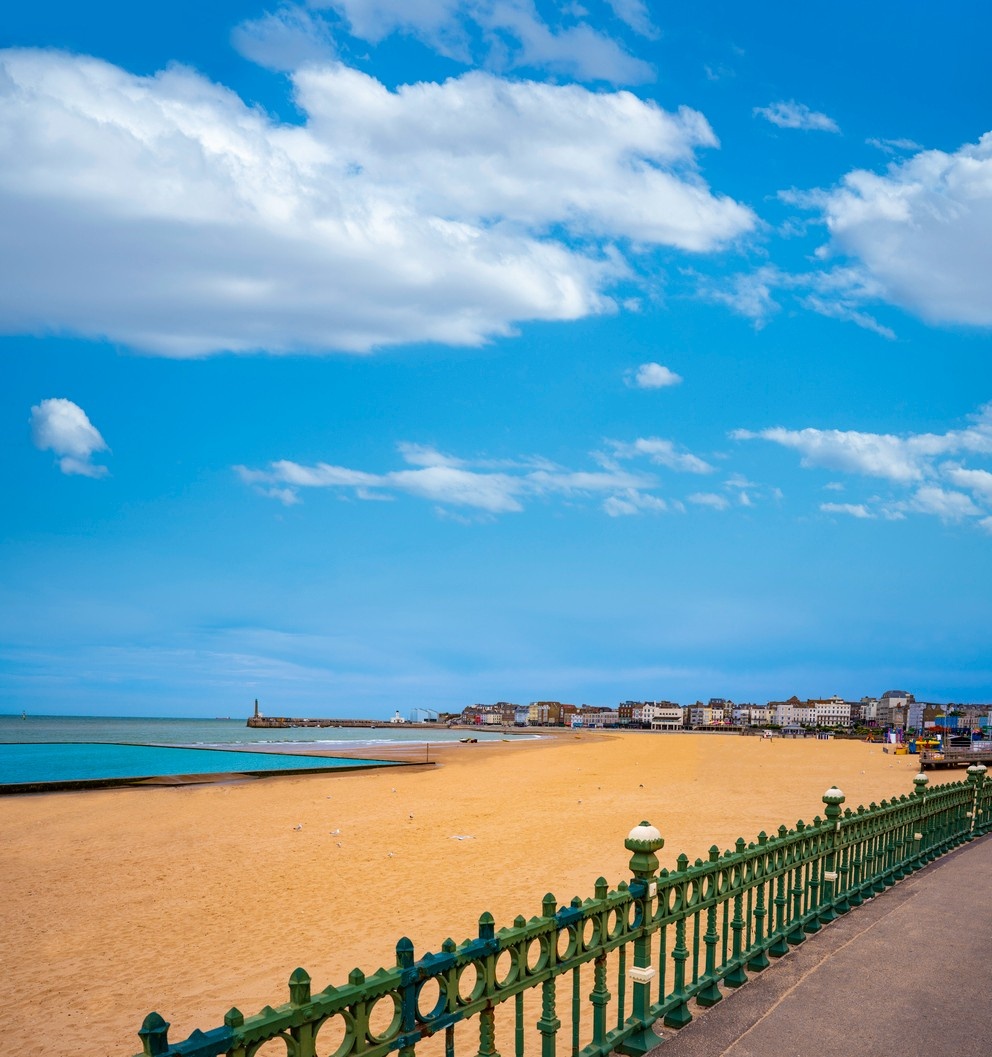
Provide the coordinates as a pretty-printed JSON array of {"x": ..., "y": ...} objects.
[{"x": 663, "y": 939}]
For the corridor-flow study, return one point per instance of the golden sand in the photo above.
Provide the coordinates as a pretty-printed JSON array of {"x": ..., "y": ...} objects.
[{"x": 189, "y": 900}]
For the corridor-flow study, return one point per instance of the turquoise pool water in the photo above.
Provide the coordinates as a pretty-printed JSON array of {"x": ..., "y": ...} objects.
[{"x": 88, "y": 761}]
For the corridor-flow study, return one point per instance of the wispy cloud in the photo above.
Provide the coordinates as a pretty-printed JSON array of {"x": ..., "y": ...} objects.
[
  {"x": 651, "y": 376},
  {"x": 636, "y": 15},
  {"x": 285, "y": 39},
  {"x": 662, "y": 452},
  {"x": 710, "y": 499},
  {"x": 508, "y": 35},
  {"x": 488, "y": 486},
  {"x": 796, "y": 115},
  {"x": 894, "y": 146},
  {"x": 857, "y": 510},
  {"x": 839, "y": 293},
  {"x": 60, "y": 426},
  {"x": 915, "y": 463}
]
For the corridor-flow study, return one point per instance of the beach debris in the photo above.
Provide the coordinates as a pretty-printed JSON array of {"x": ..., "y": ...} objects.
[
  {"x": 410, "y": 816},
  {"x": 335, "y": 833},
  {"x": 338, "y": 843},
  {"x": 392, "y": 790},
  {"x": 390, "y": 855},
  {"x": 461, "y": 836},
  {"x": 299, "y": 826}
]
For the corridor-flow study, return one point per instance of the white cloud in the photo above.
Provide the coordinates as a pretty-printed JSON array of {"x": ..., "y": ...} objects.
[
  {"x": 874, "y": 454},
  {"x": 635, "y": 14},
  {"x": 453, "y": 482},
  {"x": 651, "y": 376},
  {"x": 496, "y": 486},
  {"x": 63, "y": 427},
  {"x": 749, "y": 294},
  {"x": 796, "y": 115},
  {"x": 858, "y": 510},
  {"x": 922, "y": 231},
  {"x": 630, "y": 502},
  {"x": 845, "y": 312},
  {"x": 710, "y": 499},
  {"x": 893, "y": 146},
  {"x": 911, "y": 462},
  {"x": 660, "y": 451},
  {"x": 979, "y": 482},
  {"x": 901, "y": 459},
  {"x": 946, "y": 504},
  {"x": 837, "y": 293},
  {"x": 510, "y": 34},
  {"x": 163, "y": 213},
  {"x": 285, "y": 39}
]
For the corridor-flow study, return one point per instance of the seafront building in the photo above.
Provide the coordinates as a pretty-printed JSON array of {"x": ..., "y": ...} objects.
[{"x": 896, "y": 711}]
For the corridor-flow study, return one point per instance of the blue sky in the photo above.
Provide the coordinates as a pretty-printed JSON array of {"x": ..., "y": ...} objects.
[{"x": 361, "y": 355}]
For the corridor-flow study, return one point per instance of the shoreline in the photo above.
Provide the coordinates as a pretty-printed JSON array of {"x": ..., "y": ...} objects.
[
  {"x": 385, "y": 753},
  {"x": 202, "y": 897}
]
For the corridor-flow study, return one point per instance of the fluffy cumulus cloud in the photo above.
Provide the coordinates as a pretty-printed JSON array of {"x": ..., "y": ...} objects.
[
  {"x": 796, "y": 115},
  {"x": 922, "y": 231},
  {"x": 163, "y": 213},
  {"x": 62, "y": 427},
  {"x": 926, "y": 472},
  {"x": 489, "y": 487},
  {"x": 917, "y": 236},
  {"x": 651, "y": 376}
]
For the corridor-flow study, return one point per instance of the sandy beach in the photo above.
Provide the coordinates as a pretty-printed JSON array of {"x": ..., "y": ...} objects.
[{"x": 188, "y": 900}]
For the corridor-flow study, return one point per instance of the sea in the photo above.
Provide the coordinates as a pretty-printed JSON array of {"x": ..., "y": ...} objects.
[{"x": 69, "y": 749}]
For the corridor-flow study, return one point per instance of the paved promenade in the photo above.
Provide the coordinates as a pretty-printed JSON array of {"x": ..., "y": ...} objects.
[{"x": 907, "y": 974}]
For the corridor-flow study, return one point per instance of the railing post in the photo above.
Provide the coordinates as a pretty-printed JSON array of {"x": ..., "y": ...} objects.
[
  {"x": 780, "y": 946},
  {"x": 299, "y": 995},
  {"x": 679, "y": 1016},
  {"x": 813, "y": 908},
  {"x": 981, "y": 819},
  {"x": 833, "y": 798},
  {"x": 760, "y": 960},
  {"x": 408, "y": 996},
  {"x": 549, "y": 1023},
  {"x": 796, "y": 933},
  {"x": 973, "y": 779},
  {"x": 737, "y": 976},
  {"x": 487, "y": 1018},
  {"x": 643, "y": 841},
  {"x": 154, "y": 1035},
  {"x": 710, "y": 994},
  {"x": 856, "y": 898},
  {"x": 920, "y": 783},
  {"x": 877, "y": 849}
]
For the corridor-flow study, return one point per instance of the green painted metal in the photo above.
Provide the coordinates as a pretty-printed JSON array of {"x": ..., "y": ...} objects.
[{"x": 708, "y": 924}]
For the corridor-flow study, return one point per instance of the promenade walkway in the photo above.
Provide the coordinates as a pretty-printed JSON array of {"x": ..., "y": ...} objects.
[{"x": 908, "y": 974}]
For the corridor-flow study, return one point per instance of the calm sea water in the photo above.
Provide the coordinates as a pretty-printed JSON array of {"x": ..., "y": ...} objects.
[{"x": 74, "y": 748}]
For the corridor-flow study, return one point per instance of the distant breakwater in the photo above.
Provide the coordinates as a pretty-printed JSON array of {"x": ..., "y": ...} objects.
[{"x": 283, "y": 722}]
